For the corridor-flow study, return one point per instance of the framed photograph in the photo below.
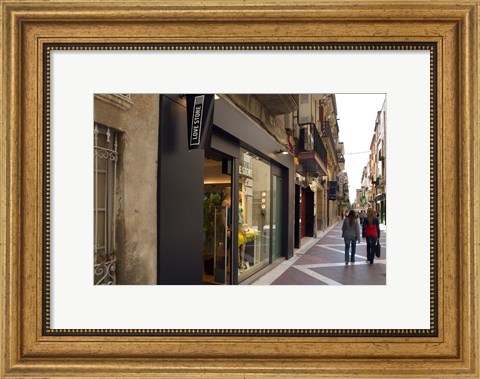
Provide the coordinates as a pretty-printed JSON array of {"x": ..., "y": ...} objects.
[{"x": 191, "y": 157}]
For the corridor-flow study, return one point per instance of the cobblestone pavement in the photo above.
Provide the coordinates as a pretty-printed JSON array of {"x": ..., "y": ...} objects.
[{"x": 324, "y": 264}]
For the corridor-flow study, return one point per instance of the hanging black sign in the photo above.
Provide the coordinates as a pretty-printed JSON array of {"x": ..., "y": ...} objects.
[
  {"x": 332, "y": 190},
  {"x": 200, "y": 120}
]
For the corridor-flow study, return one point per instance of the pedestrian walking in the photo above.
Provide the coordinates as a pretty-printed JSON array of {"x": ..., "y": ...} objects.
[
  {"x": 351, "y": 235},
  {"x": 371, "y": 231},
  {"x": 360, "y": 217}
]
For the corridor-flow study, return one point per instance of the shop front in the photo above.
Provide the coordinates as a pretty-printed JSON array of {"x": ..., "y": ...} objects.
[
  {"x": 381, "y": 207},
  {"x": 236, "y": 210}
]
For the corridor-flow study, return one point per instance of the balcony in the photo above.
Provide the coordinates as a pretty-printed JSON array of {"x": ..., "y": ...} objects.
[
  {"x": 278, "y": 104},
  {"x": 341, "y": 161},
  {"x": 327, "y": 137},
  {"x": 311, "y": 151}
]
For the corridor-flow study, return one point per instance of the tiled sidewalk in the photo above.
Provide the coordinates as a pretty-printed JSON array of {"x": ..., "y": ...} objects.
[{"x": 324, "y": 264}]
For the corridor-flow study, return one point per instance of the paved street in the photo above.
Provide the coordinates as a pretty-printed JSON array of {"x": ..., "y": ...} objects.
[{"x": 324, "y": 264}]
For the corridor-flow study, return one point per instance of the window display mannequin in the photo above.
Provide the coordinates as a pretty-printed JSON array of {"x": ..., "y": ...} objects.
[
  {"x": 242, "y": 238},
  {"x": 226, "y": 203}
]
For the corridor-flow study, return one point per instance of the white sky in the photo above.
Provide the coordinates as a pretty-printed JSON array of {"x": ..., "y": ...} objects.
[{"x": 356, "y": 119}]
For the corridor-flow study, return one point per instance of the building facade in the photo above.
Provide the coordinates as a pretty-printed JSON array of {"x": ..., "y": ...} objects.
[
  {"x": 125, "y": 188},
  {"x": 335, "y": 161},
  {"x": 381, "y": 169},
  {"x": 320, "y": 157}
]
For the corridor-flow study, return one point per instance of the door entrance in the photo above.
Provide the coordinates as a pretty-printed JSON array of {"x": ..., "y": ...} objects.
[
  {"x": 303, "y": 213},
  {"x": 217, "y": 218},
  {"x": 298, "y": 218},
  {"x": 277, "y": 217},
  {"x": 309, "y": 212}
]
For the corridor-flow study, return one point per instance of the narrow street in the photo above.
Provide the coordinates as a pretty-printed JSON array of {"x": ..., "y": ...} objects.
[
  {"x": 324, "y": 264},
  {"x": 266, "y": 172}
]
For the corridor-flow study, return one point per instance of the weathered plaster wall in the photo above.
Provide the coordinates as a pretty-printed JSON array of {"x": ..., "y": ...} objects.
[
  {"x": 136, "y": 194},
  {"x": 275, "y": 125}
]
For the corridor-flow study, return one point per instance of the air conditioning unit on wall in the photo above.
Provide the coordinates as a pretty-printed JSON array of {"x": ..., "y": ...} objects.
[
  {"x": 305, "y": 109},
  {"x": 307, "y": 141}
]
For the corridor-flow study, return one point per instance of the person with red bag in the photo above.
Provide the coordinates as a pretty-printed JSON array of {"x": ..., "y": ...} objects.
[{"x": 371, "y": 231}]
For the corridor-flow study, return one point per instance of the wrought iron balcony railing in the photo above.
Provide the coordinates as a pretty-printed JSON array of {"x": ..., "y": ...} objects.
[
  {"x": 310, "y": 140},
  {"x": 328, "y": 135}
]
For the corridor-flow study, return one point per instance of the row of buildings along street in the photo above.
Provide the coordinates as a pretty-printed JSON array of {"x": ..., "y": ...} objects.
[
  {"x": 372, "y": 193},
  {"x": 220, "y": 189}
]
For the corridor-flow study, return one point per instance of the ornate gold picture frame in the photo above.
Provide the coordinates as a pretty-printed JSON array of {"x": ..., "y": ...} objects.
[{"x": 30, "y": 348}]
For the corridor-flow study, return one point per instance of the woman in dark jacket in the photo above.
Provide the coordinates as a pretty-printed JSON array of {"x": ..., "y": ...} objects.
[
  {"x": 350, "y": 234},
  {"x": 371, "y": 231}
]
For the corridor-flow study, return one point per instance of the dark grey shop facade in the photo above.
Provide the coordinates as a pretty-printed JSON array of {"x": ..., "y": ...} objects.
[{"x": 223, "y": 213}]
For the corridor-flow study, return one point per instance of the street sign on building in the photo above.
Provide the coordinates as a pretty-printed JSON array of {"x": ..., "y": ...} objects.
[{"x": 332, "y": 190}]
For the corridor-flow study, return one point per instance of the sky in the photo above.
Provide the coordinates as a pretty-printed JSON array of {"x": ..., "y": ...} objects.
[{"x": 356, "y": 115}]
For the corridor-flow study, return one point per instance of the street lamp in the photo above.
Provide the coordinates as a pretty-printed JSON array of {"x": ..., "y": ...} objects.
[{"x": 282, "y": 150}]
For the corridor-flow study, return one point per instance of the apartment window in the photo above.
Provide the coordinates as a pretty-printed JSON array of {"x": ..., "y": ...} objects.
[{"x": 105, "y": 161}]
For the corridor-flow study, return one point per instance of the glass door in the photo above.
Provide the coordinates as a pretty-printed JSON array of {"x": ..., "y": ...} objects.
[{"x": 217, "y": 218}]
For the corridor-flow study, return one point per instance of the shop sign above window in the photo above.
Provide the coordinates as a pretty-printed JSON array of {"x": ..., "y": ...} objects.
[
  {"x": 200, "y": 120},
  {"x": 244, "y": 169}
]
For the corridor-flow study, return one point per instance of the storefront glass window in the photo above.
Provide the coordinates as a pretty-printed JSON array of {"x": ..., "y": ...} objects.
[
  {"x": 253, "y": 213},
  {"x": 277, "y": 218}
]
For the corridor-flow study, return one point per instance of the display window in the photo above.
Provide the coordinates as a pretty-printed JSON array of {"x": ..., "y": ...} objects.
[
  {"x": 256, "y": 223},
  {"x": 254, "y": 235}
]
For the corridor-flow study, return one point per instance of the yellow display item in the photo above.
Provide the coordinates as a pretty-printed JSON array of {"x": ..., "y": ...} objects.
[{"x": 241, "y": 239}]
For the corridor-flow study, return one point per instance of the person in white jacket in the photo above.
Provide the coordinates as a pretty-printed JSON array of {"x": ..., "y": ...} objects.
[{"x": 351, "y": 235}]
